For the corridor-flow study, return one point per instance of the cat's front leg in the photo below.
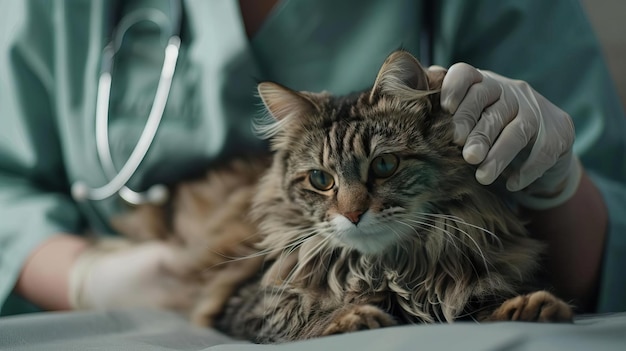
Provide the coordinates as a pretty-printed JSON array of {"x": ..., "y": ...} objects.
[
  {"x": 357, "y": 317},
  {"x": 539, "y": 306},
  {"x": 269, "y": 316}
]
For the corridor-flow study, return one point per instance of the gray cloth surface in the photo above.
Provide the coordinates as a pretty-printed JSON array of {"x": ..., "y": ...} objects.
[{"x": 161, "y": 330}]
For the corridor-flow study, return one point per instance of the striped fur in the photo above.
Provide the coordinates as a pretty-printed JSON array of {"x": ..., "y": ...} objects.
[{"x": 433, "y": 244}]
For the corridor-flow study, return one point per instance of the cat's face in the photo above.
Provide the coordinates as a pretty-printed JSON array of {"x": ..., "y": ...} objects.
[{"x": 363, "y": 170}]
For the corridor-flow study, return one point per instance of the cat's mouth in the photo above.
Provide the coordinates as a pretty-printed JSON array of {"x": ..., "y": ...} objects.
[{"x": 372, "y": 235}]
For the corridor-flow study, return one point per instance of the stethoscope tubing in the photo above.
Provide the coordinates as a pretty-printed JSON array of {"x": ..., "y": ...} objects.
[
  {"x": 117, "y": 180},
  {"x": 129, "y": 168}
]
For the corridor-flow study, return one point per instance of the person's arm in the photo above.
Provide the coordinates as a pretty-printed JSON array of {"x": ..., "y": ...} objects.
[
  {"x": 575, "y": 232},
  {"x": 551, "y": 46},
  {"x": 51, "y": 269},
  {"x": 44, "y": 278},
  {"x": 34, "y": 197}
]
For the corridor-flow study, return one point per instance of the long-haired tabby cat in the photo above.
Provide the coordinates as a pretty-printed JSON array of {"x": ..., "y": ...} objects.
[{"x": 367, "y": 217}]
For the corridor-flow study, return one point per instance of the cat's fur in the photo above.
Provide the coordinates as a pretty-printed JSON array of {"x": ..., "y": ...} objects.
[
  {"x": 209, "y": 218},
  {"x": 426, "y": 243}
]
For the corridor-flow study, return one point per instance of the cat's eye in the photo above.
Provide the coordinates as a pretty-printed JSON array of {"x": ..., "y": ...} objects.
[
  {"x": 321, "y": 180},
  {"x": 384, "y": 166}
]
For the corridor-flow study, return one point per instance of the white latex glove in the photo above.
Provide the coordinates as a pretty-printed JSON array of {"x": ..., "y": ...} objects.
[
  {"x": 504, "y": 122},
  {"x": 116, "y": 273}
]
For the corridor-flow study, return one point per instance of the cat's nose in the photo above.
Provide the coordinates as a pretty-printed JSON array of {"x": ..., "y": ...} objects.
[{"x": 353, "y": 216}]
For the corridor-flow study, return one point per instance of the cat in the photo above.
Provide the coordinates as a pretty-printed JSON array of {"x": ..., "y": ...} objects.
[{"x": 367, "y": 217}]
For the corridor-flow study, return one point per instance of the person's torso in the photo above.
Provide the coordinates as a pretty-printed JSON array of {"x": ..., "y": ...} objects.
[{"x": 306, "y": 45}]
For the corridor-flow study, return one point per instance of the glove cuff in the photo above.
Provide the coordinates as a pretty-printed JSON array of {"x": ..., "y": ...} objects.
[
  {"x": 83, "y": 266},
  {"x": 569, "y": 188}
]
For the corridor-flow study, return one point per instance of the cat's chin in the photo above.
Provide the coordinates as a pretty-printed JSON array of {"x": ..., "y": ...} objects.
[{"x": 369, "y": 236}]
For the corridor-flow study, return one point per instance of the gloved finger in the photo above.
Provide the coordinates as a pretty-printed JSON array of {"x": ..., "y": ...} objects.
[
  {"x": 542, "y": 157},
  {"x": 545, "y": 155},
  {"x": 436, "y": 68},
  {"x": 492, "y": 121},
  {"x": 435, "y": 74},
  {"x": 514, "y": 137},
  {"x": 456, "y": 83},
  {"x": 478, "y": 97}
]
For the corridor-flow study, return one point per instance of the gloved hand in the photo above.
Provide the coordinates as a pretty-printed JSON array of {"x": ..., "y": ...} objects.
[
  {"x": 504, "y": 122},
  {"x": 117, "y": 273}
]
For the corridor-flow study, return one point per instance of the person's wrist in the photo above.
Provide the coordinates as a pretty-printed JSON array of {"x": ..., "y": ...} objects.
[
  {"x": 80, "y": 289},
  {"x": 564, "y": 191},
  {"x": 44, "y": 279}
]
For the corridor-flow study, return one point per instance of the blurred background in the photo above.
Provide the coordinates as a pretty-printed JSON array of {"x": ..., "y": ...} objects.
[{"x": 607, "y": 17}]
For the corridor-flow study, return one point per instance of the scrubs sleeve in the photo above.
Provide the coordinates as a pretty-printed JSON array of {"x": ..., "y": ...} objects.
[
  {"x": 551, "y": 45},
  {"x": 34, "y": 201}
]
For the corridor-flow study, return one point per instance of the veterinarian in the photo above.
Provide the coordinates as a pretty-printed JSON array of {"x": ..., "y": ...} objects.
[{"x": 103, "y": 103}]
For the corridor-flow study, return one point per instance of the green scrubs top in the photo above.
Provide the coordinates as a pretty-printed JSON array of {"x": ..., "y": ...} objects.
[{"x": 51, "y": 52}]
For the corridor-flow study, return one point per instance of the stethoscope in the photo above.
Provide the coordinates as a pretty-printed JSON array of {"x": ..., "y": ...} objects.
[{"x": 118, "y": 180}]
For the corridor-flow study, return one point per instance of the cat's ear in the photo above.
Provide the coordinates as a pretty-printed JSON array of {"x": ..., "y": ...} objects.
[
  {"x": 401, "y": 73},
  {"x": 282, "y": 102}
]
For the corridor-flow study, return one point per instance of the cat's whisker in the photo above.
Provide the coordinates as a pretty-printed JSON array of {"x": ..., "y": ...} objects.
[
  {"x": 310, "y": 255},
  {"x": 464, "y": 222},
  {"x": 282, "y": 288},
  {"x": 487, "y": 264},
  {"x": 260, "y": 253},
  {"x": 460, "y": 220},
  {"x": 464, "y": 232},
  {"x": 393, "y": 231},
  {"x": 300, "y": 264},
  {"x": 290, "y": 249},
  {"x": 447, "y": 224},
  {"x": 431, "y": 229},
  {"x": 478, "y": 251},
  {"x": 283, "y": 255},
  {"x": 408, "y": 225},
  {"x": 448, "y": 237}
]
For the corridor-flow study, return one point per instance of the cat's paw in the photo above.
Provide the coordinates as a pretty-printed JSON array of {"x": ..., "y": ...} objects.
[
  {"x": 358, "y": 317},
  {"x": 539, "y": 306}
]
